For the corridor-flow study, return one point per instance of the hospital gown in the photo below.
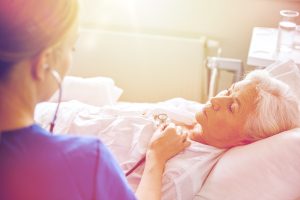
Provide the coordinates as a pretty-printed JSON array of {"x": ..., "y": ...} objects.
[{"x": 185, "y": 173}]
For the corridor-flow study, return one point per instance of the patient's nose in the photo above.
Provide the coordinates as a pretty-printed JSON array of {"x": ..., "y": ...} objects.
[
  {"x": 215, "y": 104},
  {"x": 220, "y": 102}
]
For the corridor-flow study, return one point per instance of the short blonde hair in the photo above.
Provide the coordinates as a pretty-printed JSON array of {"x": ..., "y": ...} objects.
[
  {"x": 276, "y": 107},
  {"x": 29, "y": 26}
]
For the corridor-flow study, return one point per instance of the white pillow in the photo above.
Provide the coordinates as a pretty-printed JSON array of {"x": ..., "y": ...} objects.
[
  {"x": 268, "y": 169},
  {"x": 97, "y": 91}
]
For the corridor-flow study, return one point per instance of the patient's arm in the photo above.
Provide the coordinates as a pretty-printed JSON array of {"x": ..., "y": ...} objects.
[{"x": 159, "y": 152}]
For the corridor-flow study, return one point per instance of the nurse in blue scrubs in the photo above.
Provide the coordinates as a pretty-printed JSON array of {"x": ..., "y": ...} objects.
[{"x": 36, "y": 42}]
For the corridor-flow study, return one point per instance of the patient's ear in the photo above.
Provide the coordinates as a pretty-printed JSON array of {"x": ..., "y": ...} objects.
[{"x": 40, "y": 64}]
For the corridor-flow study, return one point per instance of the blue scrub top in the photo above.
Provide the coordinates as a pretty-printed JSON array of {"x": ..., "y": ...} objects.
[{"x": 35, "y": 165}]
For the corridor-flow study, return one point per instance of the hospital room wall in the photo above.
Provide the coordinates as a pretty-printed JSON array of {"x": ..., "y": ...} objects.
[{"x": 228, "y": 21}]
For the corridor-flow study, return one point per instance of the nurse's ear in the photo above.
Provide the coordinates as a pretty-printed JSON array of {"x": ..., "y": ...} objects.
[{"x": 41, "y": 64}]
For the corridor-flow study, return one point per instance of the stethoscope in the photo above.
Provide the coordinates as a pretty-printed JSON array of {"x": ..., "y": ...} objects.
[
  {"x": 161, "y": 121},
  {"x": 58, "y": 80}
]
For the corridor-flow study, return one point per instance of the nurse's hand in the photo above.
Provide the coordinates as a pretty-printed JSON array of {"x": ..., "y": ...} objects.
[{"x": 167, "y": 143}]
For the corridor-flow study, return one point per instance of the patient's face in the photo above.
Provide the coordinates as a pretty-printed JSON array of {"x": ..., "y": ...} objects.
[{"x": 224, "y": 115}]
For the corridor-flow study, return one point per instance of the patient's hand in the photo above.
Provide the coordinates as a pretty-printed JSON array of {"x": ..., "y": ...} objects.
[{"x": 168, "y": 144}]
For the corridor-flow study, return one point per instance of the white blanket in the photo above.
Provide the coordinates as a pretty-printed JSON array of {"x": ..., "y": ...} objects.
[{"x": 127, "y": 128}]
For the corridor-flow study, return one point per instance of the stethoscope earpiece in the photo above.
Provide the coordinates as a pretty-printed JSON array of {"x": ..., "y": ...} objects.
[
  {"x": 56, "y": 76},
  {"x": 58, "y": 80}
]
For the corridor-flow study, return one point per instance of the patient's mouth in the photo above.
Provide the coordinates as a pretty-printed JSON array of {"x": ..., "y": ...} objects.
[{"x": 205, "y": 108}]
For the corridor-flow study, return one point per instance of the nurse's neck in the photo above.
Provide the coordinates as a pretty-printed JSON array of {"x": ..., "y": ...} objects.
[{"x": 17, "y": 103}]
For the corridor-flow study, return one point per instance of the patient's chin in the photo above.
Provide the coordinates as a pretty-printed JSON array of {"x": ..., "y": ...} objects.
[
  {"x": 201, "y": 117},
  {"x": 197, "y": 137}
]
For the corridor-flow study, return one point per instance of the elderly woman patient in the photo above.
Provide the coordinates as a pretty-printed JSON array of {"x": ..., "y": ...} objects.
[{"x": 255, "y": 108}]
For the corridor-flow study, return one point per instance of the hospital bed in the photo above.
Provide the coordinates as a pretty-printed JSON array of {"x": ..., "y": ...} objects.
[{"x": 267, "y": 169}]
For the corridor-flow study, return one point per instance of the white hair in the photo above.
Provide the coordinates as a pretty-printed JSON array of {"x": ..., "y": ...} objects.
[{"x": 277, "y": 107}]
